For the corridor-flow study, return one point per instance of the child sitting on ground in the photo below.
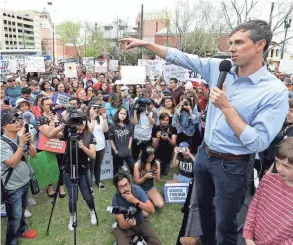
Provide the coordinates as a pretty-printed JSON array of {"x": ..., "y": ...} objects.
[{"x": 270, "y": 216}]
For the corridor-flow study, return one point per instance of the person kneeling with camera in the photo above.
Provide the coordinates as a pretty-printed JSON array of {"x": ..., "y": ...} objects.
[
  {"x": 86, "y": 149},
  {"x": 130, "y": 195},
  {"x": 185, "y": 160}
]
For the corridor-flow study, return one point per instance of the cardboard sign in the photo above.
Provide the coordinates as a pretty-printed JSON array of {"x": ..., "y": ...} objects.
[
  {"x": 45, "y": 167},
  {"x": 101, "y": 66},
  {"x": 176, "y": 192},
  {"x": 133, "y": 74},
  {"x": 51, "y": 145},
  {"x": 70, "y": 70},
  {"x": 34, "y": 64},
  {"x": 173, "y": 71},
  {"x": 153, "y": 67},
  {"x": 113, "y": 65},
  {"x": 5, "y": 67},
  {"x": 286, "y": 66},
  {"x": 61, "y": 99},
  {"x": 88, "y": 62},
  {"x": 107, "y": 164}
]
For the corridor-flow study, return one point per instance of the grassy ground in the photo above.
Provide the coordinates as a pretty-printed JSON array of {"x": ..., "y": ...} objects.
[{"x": 166, "y": 222}]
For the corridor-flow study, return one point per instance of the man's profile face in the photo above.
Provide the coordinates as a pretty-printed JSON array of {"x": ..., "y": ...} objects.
[
  {"x": 290, "y": 116},
  {"x": 124, "y": 186},
  {"x": 243, "y": 49},
  {"x": 172, "y": 84}
]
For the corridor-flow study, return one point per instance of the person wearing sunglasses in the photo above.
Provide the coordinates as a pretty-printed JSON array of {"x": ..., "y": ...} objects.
[
  {"x": 12, "y": 90},
  {"x": 15, "y": 177}
]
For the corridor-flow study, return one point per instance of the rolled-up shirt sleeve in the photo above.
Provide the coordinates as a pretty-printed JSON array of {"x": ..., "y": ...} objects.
[{"x": 266, "y": 124}]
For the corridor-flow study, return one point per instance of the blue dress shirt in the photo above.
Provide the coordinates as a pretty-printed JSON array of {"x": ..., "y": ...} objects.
[{"x": 260, "y": 99}]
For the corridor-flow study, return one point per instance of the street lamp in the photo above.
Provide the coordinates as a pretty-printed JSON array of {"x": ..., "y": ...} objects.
[{"x": 287, "y": 25}]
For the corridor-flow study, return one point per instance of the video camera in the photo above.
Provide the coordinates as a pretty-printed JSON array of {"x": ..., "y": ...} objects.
[
  {"x": 75, "y": 118},
  {"x": 142, "y": 103},
  {"x": 128, "y": 213}
]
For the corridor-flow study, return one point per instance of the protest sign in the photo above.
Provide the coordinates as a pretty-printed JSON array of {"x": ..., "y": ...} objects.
[
  {"x": 113, "y": 65},
  {"x": 88, "y": 62},
  {"x": 70, "y": 70},
  {"x": 286, "y": 66},
  {"x": 173, "y": 71},
  {"x": 107, "y": 164},
  {"x": 101, "y": 66},
  {"x": 61, "y": 98},
  {"x": 153, "y": 67},
  {"x": 45, "y": 167},
  {"x": 13, "y": 57},
  {"x": 176, "y": 192},
  {"x": 133, "y": 75},
  {"x": 51, "y": 145},
  {"x": 71, "y": 60},
  {"x": 5, "y": 67},
  {"x": 34, "y": 64}
]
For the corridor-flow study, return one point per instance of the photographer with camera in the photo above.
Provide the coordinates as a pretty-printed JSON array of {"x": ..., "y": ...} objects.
[
  {"x": 184, "y": 158},
  {"x": 185, "y": 120},
  {"x": 15, "y": 177},
  {"x": 144, "y": 118},
  {"x": 129, "y": 195},
  {"x": 164, "y": 139},
  {"x": 86, "y": 150}
]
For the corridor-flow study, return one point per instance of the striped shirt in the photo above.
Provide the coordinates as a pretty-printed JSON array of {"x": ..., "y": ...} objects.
[{"x": 269, "y": 220}]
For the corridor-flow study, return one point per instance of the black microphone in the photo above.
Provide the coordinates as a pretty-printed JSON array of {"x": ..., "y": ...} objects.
[{"x": 225, "y": 66}]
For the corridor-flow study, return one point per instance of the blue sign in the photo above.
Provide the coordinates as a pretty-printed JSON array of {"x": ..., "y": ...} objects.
[{"x": 47, "y": 57}]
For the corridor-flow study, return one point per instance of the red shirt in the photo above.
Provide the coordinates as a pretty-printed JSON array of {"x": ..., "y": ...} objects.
[
  {"x": 269, "y": 220},
  {"x": 36, "y": 111}
]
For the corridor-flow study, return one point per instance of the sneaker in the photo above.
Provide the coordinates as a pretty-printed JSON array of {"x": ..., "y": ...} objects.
[
  {"x": 27, "y": 213},
  {"x": 189, "y": 240},
  {"x": 31, "y": 201},
  {"x": 70, "y": 223},
  {"x": 93, "y": 217},
  {"x": 3, "y": 210},
  {"x": 124, "y": 168},
  {"x": 101, "y": 186},
  {"x": 29, "y": 234}
]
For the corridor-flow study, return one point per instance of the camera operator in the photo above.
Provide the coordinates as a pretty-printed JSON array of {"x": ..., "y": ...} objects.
[
  {"x": 144, "y": 118},
  {"x": 127, "y": 195},
  {"x": 73, "y": 102},
  {"x": 164, "y": 139},
  {"x": 86, "y": 149},
  {"x": 15, "y": 177},
  {"x": 185, "y": 160}
]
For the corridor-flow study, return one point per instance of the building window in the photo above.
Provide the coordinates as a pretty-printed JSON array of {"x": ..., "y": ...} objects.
[
  {"x": 272, "y": 53},
  {"x": 157, "y": 26},
  {"x": 277, "y": 52},
  {"x": 108, "y": 28},
  {"x": 5, "y": 21},
  {"x": 122, "y": 28},
  {"x": 4, "y": 14}
]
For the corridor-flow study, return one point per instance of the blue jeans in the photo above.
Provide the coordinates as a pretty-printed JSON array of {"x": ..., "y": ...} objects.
[
  {"x": 226, "y": 181},
  {"x": 16, "y": 203},
  {"x": 118, "y": 162},
  {"x": 83, "y": 187}
]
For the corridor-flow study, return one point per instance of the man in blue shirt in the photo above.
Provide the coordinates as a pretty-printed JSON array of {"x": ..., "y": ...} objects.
[{"x": 243, "y": 118}]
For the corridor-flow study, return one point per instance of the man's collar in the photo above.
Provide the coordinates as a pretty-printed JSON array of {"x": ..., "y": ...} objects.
[{"x": 256, "y": 76}]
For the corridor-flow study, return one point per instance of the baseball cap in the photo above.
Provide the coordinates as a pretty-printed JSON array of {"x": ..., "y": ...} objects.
[
  {"x": 19, "y": 101},
  {"x": 93, "y": 104},
  {"x": 6, "y": 118},
  {"x": 9, "y": 77},
  {"x": 183, "y": 145}
]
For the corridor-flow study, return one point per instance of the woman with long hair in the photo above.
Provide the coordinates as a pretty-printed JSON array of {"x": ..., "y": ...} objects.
[
  {"x": 120, "y": 138},
  {"x": 98, "y": 125},
  {"x": 55, "y": 81},
  {"x": 36, "y": 109},
  {"x": 46, "y": 87},
  {"x": 168, "y": 107},
  {"x": 136, "y": 92},
  {"x": 146, "y": 173},
  {"x": 112, "y": 106},
  {"x": 157, "y": 97},
  {"x": 59, "y": 91},
  {"x": 74, "y": 84},
  {"x": 90, "y": 93},
  {"x": 104, "y": 88},
  {"x": 85, "y": 150}
]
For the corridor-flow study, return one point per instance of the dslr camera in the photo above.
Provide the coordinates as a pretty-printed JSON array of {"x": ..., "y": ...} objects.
[
  {"x": 128, "y": 213},
  {"x": 182, "y": 149},
  {"x": 164, "y": 131}
]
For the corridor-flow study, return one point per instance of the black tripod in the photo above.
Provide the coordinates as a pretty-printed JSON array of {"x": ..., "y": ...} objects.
[{"x": 74, "y": 178}]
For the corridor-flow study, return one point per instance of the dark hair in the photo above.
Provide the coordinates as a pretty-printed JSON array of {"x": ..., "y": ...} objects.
[
  {"x": 164, "y": 115},
  {"x": 145, "y": 154},
  {"x": 184, "y": 97},
  {"x": 291, "y": 103},
  {"x": 120, "y": 176},
  {"x": 75, "y": 98},
  {"x": 55, "y": 78},
  {"x": 26, "y": 90},
  {"x": 42, "y": 102},
  {"x": 284, "y": 149},
  {"x": 115, "y": 97},
  {"x": 174, "y": 79},
  {"x": 258, "y": 30},
  {"x": 173, "y": 105},
  {"x": 40, "y": 96},
  {"x": 94, "y": 90},
  {"x": 116, "y": 117},
  {"x": 43, "y": 84},
  {"x": 107, "y": 90},
  {"x": 58, "y": 84},
  {"x": 102, "y": 74}
]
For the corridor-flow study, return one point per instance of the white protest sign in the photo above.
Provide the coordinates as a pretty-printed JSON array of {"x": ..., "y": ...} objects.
[
  {"x": 133, "y": 75},
  {"x": 107, "y": 164},
  {"x": 70, "y": 70},
  {"x": 176, "y": 192},
  {"x": 13, "y": 57},
  {"x": 153, "y": 67},
  {"x": 101, "y": 66},
  {"x": 173, "y": 71},
  {"x": 113, "y": 65},
  {"x": 88, "y": 62},
  {"x": 5, "y": 67},
  {"x": 62, "y": 99},
  {"x": 286, "y": 66},
  {"x": 34, "y": 64}
]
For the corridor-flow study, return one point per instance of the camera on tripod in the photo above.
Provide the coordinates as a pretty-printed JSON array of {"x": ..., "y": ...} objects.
[{"x": 128, "y": 213}]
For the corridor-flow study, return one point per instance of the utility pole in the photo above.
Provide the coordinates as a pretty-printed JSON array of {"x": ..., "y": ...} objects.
[
  {"x": 85, "y": 43},
  {"x": 287, "y": 25},
  {"x": 141, "y": 28}
]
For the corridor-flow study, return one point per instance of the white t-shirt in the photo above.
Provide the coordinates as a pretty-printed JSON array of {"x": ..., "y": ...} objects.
[{"x": 99, "y": 134}]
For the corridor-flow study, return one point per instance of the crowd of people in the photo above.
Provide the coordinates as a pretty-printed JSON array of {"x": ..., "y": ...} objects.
[{"x": 151, "y": 128}]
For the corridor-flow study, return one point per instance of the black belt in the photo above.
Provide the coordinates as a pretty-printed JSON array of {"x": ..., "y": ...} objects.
[{"x": 223, "y": 156}]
